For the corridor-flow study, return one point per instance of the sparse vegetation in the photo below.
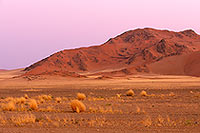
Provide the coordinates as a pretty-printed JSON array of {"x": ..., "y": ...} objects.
[
  {"x": 171, "y": 94},
  {"x": 26, "y": 96},
  {"x": 81, "y": 96},
  {"x": 20, "y": 100},
  {"x": 138, "y": 110},
  {"x": 143, "y": 93},
  {"x": 147, "y": 122},
  {"x": 58, "y": 99},
  {"x": 104, "y": 109},
  {"x": 130, "y": 93},
  {"x": 77, "y": 106},
  {"x": 96, "y": 99},
  {"x": 160, "y": 120},
  {"x": 118, "y": 95},
  {"x": 10, "y": 106},
  {"x": 33, "y": 104},
  {"x": 20, "y": 120},
  {"x": 45, "y": 97}
]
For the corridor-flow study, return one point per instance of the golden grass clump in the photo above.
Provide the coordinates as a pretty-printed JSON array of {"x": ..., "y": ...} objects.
[
  {"x": 143, "y": 93},
  {"x": 58, "y": 99},
  {"x": 64, "y": 99},
  {"x": 171, "y": 94},
  {"x": 23, "y": 119},
  {"x": 101, "y": 110},
  {"x": 45, "y": 97},
  {"x": 160, "y": 120},
  {"x": 9, "y": 99},
  {"x": 138, "y": 110},
  {"x": 48, "y": 109},
  {"x": 77, "y": 106},
  {"x": 41, "y": 100},
  {"x": 170, "y": 122},
  {"x": 118, "y": 95},
  {"x": 96, "y": 99},
  {"x": 147, "y": 122},
  {"x": 33, "y": 104},
  {"x": 3, "y": 120},
  {"x": 130, "y": 93},
  {"x": 81, "y": 96},
  {"x": 21, "y": 100},
  {"x": 10, "y": 106},
  {"x": 26, "y": 96}
]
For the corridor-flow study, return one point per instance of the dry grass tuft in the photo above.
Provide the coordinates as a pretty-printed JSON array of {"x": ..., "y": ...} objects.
[
  {"x": 130, "y": 93},
  {"x": 104, "y": 110},
  {"x": 138, "y": 110},
  {"x": 160, "y": 120},
  {"x": 48, "y": 109},
  {"x": 10, "y": 106},
  {"x": 81, "y": 96},
  {"x": 143, "y": 93},
  {"x": 58, "y": 99},
  {"x": 153, "y": 95},
  {"x": 20, "y": 100},
  {"x": 8, "y": 99},
  {"x": 45, "y": 97},
  {"x": 171, "y": 94},
  {"x": 170, "y": 122},
  {"x": 118, "y": 95},
  {"x": 96, "y": 99},
  {"x": 64, "y": 99},
  {"x": 3, "y": 120},
  {"x": 33, "y": 104},
  {"x": 77, "y": 106},
  {"x": 21, "y": 108},
  {"x": 41, "y": 100},
  {"x": 26, "y": 96},
  {"x": 23, "y": 119},
  {"x": 147, "y": 122}
]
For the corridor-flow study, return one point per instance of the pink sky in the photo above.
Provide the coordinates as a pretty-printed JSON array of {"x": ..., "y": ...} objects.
[{"x": 33, "y": 29}]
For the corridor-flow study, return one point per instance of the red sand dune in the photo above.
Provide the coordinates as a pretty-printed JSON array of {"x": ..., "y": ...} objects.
[
  {"x": 188, "y": 64},
  {"x": 192, "y": 64},
  {"x": 2, "y": 70},
  {"x": 128, "y": 53}
]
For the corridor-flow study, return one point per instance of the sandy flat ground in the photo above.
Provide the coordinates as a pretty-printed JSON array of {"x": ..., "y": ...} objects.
[{"x": 172, "y": 104}]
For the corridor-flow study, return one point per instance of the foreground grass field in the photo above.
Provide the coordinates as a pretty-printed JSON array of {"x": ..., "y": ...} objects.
[
  {"x": 158, "y": 110},
  {"x": 153, "y": 104}
]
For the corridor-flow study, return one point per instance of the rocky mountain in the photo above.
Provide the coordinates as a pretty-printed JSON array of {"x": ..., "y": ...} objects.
[{"x": 135, "y": 51}]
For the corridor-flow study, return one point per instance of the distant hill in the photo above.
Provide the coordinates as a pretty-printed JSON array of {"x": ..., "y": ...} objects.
[{"x": 136, "y": 51}]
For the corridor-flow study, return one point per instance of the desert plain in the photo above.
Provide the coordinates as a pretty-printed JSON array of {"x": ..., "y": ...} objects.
[
  {"x": 143, "y": 80},
  {"x": 170, "y": 104}
]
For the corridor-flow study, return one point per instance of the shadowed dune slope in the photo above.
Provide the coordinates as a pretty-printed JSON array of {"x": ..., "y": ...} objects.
[
  {"x": 188, "y": 64},
  {"x": 128, "y": 53},
  {"x": 192, "y": 64}
]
